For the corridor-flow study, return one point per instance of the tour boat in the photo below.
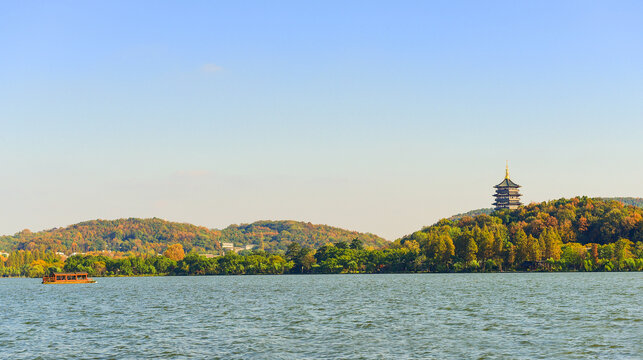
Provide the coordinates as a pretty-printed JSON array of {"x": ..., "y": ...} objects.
[{"x": 68, "y": 278}]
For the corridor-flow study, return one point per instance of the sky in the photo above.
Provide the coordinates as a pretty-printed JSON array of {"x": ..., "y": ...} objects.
[{"x": 375, "y": 116}]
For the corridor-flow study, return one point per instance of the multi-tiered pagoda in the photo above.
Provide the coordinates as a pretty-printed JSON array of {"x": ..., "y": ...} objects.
[{"x": 507, "y": 196}]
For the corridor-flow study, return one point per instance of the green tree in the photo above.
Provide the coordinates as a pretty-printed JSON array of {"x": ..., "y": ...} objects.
[
  {"x": 551, "y": 244},
  {"x": 357, "y": 244},
  {"x": 484, "y": 239},
  {"x": 522, "y": 246},
  {"x": 533, "y": 249}
]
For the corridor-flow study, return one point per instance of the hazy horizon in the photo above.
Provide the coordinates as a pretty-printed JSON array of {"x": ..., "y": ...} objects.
[{"x": 371, "y": 116}]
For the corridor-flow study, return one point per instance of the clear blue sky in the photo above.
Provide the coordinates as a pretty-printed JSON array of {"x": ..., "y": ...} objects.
[{"x": 373, "y": 116}]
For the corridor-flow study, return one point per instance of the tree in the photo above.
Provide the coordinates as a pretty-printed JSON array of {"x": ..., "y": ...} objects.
[
  {"x": 174, "y": 252},
  {"x": 411, "y": 245},
  {"x": 439, "y": 249},
  {"x": 357, "y": 244},
  {"x": 522, "y": 248},
  {"x": 307, "y": 261},
  {"x": 573, "y": 255},
  {"x": 622, "y": 250},
  {"x": 301, "y": 257},
  {"x": 533, "y": 249},
  {"x": 468, "y": 246},
  {"x": 293, "y": 251},
  {"x": 499, "y": 232},
  {"x": 511, "y": 254},
  {"x": 550, "y": 243},
  {"x": 484, "y": 240},
  {"x": 595, "y": 253},
  {"x": 341, "y": 245}
]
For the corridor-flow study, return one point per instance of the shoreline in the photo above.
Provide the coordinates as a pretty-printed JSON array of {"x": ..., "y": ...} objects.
[{"x": 340, "y": 274}]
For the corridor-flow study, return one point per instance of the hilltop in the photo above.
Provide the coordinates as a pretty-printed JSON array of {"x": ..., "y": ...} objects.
[
  {"x": 276, "y": 235},
  {"x": 154, "y": 235},
  {"x": 634, "y": 201}
]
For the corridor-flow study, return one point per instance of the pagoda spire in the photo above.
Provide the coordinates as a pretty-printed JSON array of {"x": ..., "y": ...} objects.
[{"x": 507, "y": 170}]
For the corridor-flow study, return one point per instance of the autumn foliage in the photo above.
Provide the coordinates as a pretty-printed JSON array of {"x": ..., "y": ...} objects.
[
  {"x": 579, "y": 234},
  {"x": 174, "y": 252},
  {"x": 153, "y": 236},
  {"x": 567, "y": 234}
]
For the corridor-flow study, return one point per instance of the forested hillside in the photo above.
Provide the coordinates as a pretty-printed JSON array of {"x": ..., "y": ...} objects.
[
  {"x": 592, "y": 233},
  {"x": 123, "y": 235},
  {"x": 579, "y": 234},
  {"x": 276, "y": 235},
  {"x": 154, "y": 235}
]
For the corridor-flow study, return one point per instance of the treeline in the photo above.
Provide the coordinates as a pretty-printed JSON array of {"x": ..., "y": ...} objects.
[
  {"x": 30, "y": 263},
  {"x": 152, "y": 236},
  {"x": 353, "y": 258},
  {"x": 191, "y": 264},
  {"x": 344, "y": 258},
  {"x": 331, "y": 258}
]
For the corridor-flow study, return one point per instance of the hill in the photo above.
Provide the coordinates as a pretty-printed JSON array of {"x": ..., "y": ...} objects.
[
  {"x": 472, "y": 213},
  {"x": 276, "y": 235},
  {"x": 124, "y": 235},
  {"x": 638, "y": 202},
  {"x": 154, "y": 235},
  {"x": 578, "y": 233},
  {"x": 580, "y": 219},
  {"x": 557, "y": 233}
]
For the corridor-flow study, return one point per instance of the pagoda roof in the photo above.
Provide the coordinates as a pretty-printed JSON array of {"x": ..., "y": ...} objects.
[
  {"x": 507, "y": 183},
  {"x": 506, "y": 195},
  {"x": 512, "y": 202}
]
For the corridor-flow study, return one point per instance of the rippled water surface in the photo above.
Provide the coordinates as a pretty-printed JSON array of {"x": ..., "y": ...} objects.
[{"x": 411, "y": 316}]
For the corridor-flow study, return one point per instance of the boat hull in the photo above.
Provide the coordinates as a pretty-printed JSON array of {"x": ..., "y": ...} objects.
[
  {"x": 67, "y": 278},
  {"x": 70, "y": 282}
]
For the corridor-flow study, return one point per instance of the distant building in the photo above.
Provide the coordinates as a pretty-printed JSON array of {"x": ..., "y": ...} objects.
[
  {"x": 249, "y": 247},
  {"x": 507, "y": 196},
  {"x": 227, "y": 246}
]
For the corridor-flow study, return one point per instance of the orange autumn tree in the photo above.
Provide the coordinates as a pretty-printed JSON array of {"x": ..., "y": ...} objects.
[{"x": 174, "y": 252}]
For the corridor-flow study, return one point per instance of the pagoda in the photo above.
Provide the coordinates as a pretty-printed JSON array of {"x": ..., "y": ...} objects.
[{"x": 507, "y": 196}]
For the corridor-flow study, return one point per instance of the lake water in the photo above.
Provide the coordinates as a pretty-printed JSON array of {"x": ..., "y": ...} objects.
[{"x": 406, "y": 316}]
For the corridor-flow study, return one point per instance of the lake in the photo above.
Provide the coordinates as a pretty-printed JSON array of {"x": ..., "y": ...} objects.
[{"x": 402, "y": 316}]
